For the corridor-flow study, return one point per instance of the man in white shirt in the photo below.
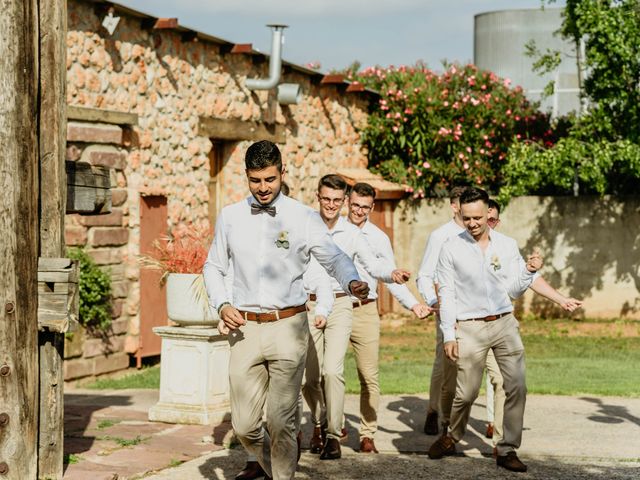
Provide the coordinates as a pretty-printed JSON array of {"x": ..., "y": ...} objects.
[
  {"x": 269, "y": 238},
  {"x": 479, "y": 272},
  {"x": 443, "y": 372},
  {"x": 324, "y": 385},
  {"x": 365, "y": 332}
]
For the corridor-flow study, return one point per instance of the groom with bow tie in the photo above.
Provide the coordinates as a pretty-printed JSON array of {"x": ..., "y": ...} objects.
[{"x": 268, "y": 239}]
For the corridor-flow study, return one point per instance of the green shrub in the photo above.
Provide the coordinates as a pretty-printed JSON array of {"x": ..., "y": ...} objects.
[
  {"x": 431, "y": 131},
  {"x": 94, "y": 285}
]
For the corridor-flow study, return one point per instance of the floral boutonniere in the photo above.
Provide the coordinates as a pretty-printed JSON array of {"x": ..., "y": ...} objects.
[
  {"x": 283, "y": 240},
  {"x": 495, "y": 263}
]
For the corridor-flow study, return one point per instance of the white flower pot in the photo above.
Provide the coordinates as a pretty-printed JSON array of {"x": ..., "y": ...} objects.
[{"x": 183, "y": 305}]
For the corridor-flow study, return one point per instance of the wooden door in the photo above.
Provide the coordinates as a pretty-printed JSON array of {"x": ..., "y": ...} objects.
[
  {"x": 382, "y": 217},
  {"x": 153, "y": 301}
]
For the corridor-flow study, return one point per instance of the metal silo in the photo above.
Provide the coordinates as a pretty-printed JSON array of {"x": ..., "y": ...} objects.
[{"x": 499, "y": 46}]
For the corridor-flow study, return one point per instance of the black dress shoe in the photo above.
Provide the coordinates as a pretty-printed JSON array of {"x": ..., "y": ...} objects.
[
  {"x": 511, "y": 462},
  {"x": 251, "y": 471},
  {"x": 431, "y": 423},
  {"x": 331, "y": 450}
]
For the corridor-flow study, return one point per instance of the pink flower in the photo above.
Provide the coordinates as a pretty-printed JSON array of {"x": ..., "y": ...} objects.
[
  {"x": 395, "y": 129},
  {"x": 507, "y": 82},
  {"x": 408, "y": 111},
  {"x": 446, "y": 104},
  {"x": 426, "y": 165},
  {"x": 461, "y": 156},
  {"x": 468, "y": 149},
  {"x": 508, "y": 112},
  {"x": 465, "y": 166},
  {"x": 483, "y": 87}
]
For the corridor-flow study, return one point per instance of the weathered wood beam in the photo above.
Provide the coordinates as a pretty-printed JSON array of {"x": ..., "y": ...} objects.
[
  {"x": 159, "y": 23},
  {"x": 88, "y": 188},
  {"x": 19, "y": 239},
  {"x": 113, "y": 117},
  {"x": 53, "y": 191},
  {"x": 227, "y": 129},
  {"x": 332, "y": 79}
]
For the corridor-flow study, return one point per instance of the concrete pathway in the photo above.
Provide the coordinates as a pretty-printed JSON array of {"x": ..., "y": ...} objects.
[{"x": 564, "y": 438}]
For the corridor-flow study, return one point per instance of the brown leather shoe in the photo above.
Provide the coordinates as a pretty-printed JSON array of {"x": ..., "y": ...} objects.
[
  {"x": 495, "y": 452},
  {"x": 489, "y": 432},
  {"x": 344, "y": 435},
  {"x": 331, "y": 450},
  {"x": 317, "y": 440},
  {"x": 431, "y": 423},
  {"x": 511, "y": 462},
  {"x": 251, "y": 471},
  {"x": 442, "y": 447},
  {"x": 367, "y": 446}
]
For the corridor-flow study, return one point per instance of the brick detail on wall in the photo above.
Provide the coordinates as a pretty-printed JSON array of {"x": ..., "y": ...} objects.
[
  {"x": 113, "y": 219},
  {"x": 108, "y": 236},
  {"x": 105, "y": 156},
  {"x": 75, "y": 236},
  {"x": 94, "y": 133},
  {"x": 118, "y": 196},
  {"x": 106, "y": 256}
]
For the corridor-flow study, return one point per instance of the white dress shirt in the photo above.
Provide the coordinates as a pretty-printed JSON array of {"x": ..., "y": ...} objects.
[
  {"x": 351, "y": 240},
  {"x": 475, "y": 284},
  {"x": 426, "y": 279},
  {"x": 270, "y": 255},
  {"x": 381, "y": 248},
  {"x": 323, "y": 291}
]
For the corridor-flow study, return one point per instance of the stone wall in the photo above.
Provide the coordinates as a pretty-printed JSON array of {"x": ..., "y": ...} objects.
[
  {"x": 170, "y": 82},
  {"x": 591, "y": 247},
  {"x": 105, "y": 239}
]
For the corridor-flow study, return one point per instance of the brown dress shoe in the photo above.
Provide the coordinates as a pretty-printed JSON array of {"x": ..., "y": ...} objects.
[
  {"x": 511, "y": 462},
  {"x": 317, "y": 440},
  {"x": 489, "y": 432},
  {"x": 367, "y": 446},
  {"x": 344, "y": 435},
  {"x": 251, "y": 471},
  {"x": 441, "y": 447},
  {"x": 431, "y": 423},
  {"x": 331, "y": 450}
]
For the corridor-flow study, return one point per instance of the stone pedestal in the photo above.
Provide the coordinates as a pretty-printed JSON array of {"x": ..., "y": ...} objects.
[{"x": 194, "y": 376}]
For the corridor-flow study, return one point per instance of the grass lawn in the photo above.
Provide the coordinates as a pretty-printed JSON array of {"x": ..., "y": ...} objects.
[{"x": 564, "y": 357}]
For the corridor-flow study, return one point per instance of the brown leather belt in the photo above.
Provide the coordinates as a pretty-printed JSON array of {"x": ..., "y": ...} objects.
[
  {"x": 273, "y": 316},
  {"x": 359, "y": 303},
  {"x": 488, "y": 318},
  {"x": 313, "y": 297}
]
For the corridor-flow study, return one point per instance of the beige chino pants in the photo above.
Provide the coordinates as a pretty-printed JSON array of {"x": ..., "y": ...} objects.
[
  {"x": 443, "y": 380},
  {"x": 475, "y": 339},
  {"x": 266, "y": 365},
  {"x": 365, "y": 339},
  {"x": 495, "y": 397},
  {"x": 323, "y": 386}
]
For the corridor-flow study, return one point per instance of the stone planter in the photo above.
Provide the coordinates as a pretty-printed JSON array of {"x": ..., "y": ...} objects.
[{"x": 183, "y": 305}]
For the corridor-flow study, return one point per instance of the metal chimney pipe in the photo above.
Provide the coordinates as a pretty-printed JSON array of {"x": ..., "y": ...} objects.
[{"x": 275, "y": 62}]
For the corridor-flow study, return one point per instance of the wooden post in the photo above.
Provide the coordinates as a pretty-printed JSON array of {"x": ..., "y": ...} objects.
[
  {"x": 18, "y": 240},
  {"x": 53, "y": 180}
]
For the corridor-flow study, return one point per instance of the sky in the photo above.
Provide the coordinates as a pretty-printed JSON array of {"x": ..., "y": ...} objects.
[{"x": 338, "y": 32}]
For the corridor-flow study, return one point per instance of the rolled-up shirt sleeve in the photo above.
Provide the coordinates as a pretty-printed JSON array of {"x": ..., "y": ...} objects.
[
  {"x": 216, "y": 267},
  {"x": 447, "y": 290},
  {"x": 377, "y": 267},
  {"x": 318, "y": 282},
  {"x": 521, "y": 277},
  {"x": 328, "y": 254},
  {"x": 427, "y": 273}
]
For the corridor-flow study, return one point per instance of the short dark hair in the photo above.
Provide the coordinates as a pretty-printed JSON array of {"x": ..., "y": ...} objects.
[
  {"x": 333, "y": 181},
  {"x": 261, "y": 155},
  {"x": 493, "y": 204},
  {"x": 455, "y": 193},
  {"x": 364, "y": 190},
  {"x": 474, "y": 194}
]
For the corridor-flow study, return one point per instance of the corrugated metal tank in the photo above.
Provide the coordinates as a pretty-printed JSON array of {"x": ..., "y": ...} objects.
[{"x": 499, "y": 45}]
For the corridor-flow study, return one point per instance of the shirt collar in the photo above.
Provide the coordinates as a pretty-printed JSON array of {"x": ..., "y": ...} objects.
[{"x": 340, "y": 226}]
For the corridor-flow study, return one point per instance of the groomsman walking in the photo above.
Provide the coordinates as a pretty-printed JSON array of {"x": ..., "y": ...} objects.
[{"x": 269, "y": 239}]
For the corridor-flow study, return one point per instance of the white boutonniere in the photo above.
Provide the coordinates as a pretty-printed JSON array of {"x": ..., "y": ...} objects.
[
  {"x": 283, "y": 240},
  {"x": 495, "y": 263}
]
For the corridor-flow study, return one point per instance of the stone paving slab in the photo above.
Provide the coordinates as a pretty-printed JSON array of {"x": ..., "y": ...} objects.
[{"x": 564, "y": 437}]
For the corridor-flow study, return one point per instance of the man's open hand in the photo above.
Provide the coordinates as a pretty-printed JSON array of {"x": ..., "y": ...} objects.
[
  {"x": 534, "y": 261},
  {"x": 570, "y": 304},
  {"x": 359, "y": 289}
]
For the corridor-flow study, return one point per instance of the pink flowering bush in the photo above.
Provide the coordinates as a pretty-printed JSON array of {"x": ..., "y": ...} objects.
[{"x": 431, "y": 131}]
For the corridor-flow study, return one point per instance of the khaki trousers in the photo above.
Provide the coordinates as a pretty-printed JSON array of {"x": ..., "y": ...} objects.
[
  {"x": 475, "y": 339},
  {"x": 365, "y": 339},
  {"x": 323, "y": 386},
  {"x": 266, "y": 366},
  {"x": 495, "y": 397},
  {"x": 443, "y": 380}
]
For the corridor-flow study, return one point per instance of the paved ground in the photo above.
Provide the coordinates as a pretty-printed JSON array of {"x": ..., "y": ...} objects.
[{"x": 564, "y": 438}]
